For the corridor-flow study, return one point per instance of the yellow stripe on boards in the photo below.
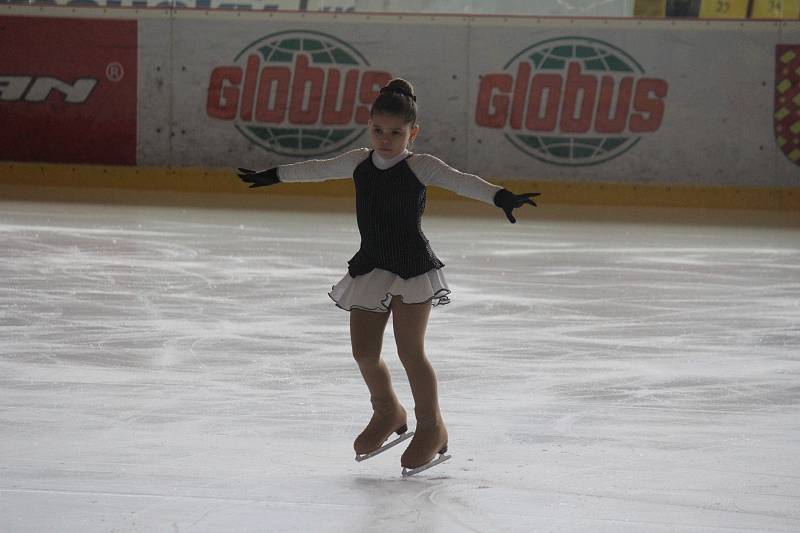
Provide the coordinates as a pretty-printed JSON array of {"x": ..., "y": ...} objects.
[{"x": 35, "y": 177}]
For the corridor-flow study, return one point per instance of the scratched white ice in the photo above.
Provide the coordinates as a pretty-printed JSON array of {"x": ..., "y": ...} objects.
[{"x": 184, "y": 370}]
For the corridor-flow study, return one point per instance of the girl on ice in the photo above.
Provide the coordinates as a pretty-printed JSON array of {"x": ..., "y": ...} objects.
[{"x": 395, "y": 271}]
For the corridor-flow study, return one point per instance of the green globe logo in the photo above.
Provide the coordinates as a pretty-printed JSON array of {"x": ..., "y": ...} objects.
[
  {"x": 572, "y": 101},
  {"x": 296, "y": 93}
]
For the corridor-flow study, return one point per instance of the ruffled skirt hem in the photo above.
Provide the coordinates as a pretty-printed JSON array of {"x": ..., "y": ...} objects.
[{"x": 375, "y": 290}]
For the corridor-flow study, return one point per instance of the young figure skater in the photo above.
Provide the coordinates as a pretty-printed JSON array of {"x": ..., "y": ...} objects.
[{"x": 394, "y": 271}]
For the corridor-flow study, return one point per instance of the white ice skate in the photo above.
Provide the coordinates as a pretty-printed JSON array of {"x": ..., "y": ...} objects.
[
  {"x": 407, "y": 472},
  {"x": 386, "y": 446}
]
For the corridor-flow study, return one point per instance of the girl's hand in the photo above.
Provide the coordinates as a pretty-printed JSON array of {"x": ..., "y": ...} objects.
[
  {"x": 508, "y": 201},
  {"x": 259, "y": 178}
]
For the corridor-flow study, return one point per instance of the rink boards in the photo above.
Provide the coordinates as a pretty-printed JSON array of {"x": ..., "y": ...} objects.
[{"x": 589, "y": 110}]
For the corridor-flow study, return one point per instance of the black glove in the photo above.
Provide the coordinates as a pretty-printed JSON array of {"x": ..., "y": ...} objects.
[
  {"x": 259, "y": 178},
  {"x": 508, "y": 201}
]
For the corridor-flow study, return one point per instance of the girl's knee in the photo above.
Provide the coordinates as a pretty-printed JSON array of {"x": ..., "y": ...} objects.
[
  {"x": 367, "y": 355},
  {"x": 412, "y": 357}
]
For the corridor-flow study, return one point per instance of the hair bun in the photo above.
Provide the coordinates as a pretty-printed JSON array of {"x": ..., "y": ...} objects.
[
  {"x": 399, "y": 86},
  {"x": 396, "y": 98}
]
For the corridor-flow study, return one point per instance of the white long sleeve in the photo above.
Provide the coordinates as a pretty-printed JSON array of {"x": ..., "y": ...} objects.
[
  {"x": 339, "y": 167},
  {"x": 431, "y": 170}
]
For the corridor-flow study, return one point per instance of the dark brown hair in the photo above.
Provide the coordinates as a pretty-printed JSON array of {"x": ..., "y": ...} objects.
[{"x": 396, "y": 98}]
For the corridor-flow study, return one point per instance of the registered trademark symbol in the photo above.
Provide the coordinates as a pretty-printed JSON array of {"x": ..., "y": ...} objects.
[{"x": 114, "y": 71}]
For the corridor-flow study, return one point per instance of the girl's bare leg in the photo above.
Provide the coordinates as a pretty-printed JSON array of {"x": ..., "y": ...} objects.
[
  {"x": 410, "y": 322},
  {"x": 366, "y": 334}
]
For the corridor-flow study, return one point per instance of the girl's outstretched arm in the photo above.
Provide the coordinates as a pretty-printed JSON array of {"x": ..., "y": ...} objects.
[
  {"x": 431, "y": 170},
  {"x": 338, "y": 167}
]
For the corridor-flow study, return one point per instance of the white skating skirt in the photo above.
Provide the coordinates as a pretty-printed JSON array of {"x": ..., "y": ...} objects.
[{"x": 375, "y": 290}]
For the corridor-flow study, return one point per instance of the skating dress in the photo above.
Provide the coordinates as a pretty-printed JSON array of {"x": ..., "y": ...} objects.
[{"x": 395, "y": 259}]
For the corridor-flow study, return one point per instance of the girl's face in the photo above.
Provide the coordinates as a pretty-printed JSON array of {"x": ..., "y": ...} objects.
[{"x": 390, "y": 134}]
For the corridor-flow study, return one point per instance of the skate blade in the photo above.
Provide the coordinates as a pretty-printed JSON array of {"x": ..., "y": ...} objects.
[
  {"x": 408, "y": 472},
  {"x": 395, "y": 442}
]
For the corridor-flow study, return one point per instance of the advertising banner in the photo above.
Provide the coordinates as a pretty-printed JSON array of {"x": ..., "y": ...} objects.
[
  {"x": 584, "y": 100},
  {"x": 612, "y": 101},
  {"x": 68, "y": 90},
  {"x": 649, "y": 102},
  {"x": 285, "y": 90},
  {"x": 786, "y": 104}
]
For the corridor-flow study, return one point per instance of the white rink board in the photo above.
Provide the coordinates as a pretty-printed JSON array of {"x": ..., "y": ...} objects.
[
  {"x": 716, "y": 103},
  {"x": 210, "y": 142},
  {"x": 154, "y": 146},
  {"x": 717, "y": 126}
]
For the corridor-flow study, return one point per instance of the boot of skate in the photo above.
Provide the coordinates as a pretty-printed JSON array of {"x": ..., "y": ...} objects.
[
  {"x": 388, "y": 417},
  {"x": 430, "y": 438}
]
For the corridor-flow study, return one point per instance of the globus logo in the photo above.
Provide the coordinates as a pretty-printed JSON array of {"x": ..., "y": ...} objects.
[
  {"x": 296, "y": 93},
  {"x": 572, "y": 101}
]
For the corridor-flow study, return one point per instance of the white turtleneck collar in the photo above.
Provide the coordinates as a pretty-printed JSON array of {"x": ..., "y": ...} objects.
[{"x": 383, "y": 163}]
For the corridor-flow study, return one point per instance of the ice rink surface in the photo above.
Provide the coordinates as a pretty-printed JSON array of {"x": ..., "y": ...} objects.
[{"x": 183, "y": 370}]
